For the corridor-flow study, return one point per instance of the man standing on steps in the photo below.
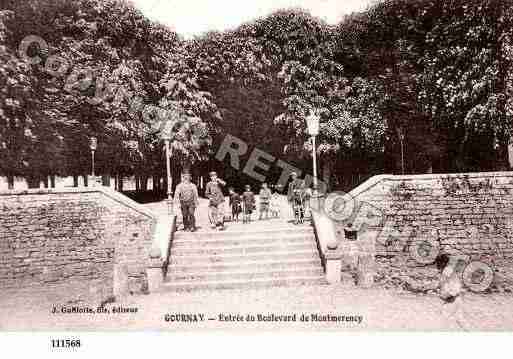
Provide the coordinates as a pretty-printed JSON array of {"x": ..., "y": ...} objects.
[
  {"x": 186, "y": 194},
  {"x": 294, "y": 185},
  {"x": 214, "y": 193}
]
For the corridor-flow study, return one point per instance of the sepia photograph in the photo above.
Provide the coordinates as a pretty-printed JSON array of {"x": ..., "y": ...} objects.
[{"x": 255, "y": 166}]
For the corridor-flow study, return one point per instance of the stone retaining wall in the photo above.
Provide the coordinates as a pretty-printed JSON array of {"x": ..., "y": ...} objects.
[
  {"x": 88, "y": 244},
  {"x": 465, "y": 215}
]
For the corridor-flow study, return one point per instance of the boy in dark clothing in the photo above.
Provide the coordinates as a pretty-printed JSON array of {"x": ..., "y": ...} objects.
[
  {"x": 235, "y": 204},
  {"x": 248, "y": 203}
]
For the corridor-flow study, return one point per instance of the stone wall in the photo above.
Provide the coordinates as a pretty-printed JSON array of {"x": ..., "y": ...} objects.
[
  {"x": 469, "y": 216},
  {"x": 87, "y": 244}
]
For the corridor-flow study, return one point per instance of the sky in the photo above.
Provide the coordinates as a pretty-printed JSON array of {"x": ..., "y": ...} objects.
[{"x": 194, "y": 17}]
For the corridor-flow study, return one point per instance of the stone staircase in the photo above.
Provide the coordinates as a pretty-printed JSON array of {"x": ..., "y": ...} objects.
[{"x": 260, "y": 254}]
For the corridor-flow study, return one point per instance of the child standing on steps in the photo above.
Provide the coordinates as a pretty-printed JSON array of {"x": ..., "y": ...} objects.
[
  {"x": 235, "y": 204},
  {"x": 248, "y": 204},
  {"x": 265, "y": 200},
  {"x": 275, "y": 203}
]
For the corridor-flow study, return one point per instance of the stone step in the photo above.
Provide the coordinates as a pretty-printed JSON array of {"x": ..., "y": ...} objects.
[
  {"x": 244, "y": 275},
  {"x": 236, "y": 284},
  {"x": 242, "y": 250},
  {"x": 260, "y": 254},
  {"x": 245, "y": 266},
  {"x": 231, "y": 258},
  {"x": 245, "y": 241},
  {"x": 282, "y": 222},
  {"x": 232, "y": 233}
]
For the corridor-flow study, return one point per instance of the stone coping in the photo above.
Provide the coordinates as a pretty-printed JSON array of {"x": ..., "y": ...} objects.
[
  {"x": 324, "y": 233},
  {"x": 374, "y": 181},
  {"x": 116, "y": 196},
  {"x": 367, "y": 185}
]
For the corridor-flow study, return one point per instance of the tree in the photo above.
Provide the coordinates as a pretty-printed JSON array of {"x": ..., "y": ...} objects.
[
  {"x": 462, "y": 83},
  {"x": 16, "y": 124}
]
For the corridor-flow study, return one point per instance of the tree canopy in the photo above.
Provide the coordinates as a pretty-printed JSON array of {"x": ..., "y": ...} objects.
[{"x": 438, "y": 72}]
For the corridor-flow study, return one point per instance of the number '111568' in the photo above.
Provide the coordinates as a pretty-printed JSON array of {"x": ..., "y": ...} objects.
[{"x": 65, "y": 343}]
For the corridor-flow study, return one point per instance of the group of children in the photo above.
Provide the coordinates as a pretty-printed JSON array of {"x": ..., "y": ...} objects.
[
  {"x": 269, "y": 207},
  {"x": 245, "y": 204},
  {"x": 187, "y": 200}
]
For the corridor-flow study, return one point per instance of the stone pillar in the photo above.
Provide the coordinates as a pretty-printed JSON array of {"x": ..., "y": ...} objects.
[
  {"x": 349, "y": 261},
  {"x": 366, "y": 264},
  {"x": 154, "y": 271},
  {"x": 333, "y": 264}
]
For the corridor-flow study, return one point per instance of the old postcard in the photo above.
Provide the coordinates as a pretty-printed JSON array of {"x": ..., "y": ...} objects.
[{"x": 256, "y": 166}]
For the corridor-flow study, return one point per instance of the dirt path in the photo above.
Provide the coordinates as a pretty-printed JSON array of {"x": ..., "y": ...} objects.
[
  {"x": 354, "y": 309},
  {"x": 378, "y": 309}
]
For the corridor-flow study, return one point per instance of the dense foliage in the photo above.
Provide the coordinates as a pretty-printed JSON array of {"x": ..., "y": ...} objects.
[{"x": 438, "y": 72}]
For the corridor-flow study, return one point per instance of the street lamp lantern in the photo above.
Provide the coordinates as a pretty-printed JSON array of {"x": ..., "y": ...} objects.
[
  {"x": 313, "y": 124},
  {"x": 93, "y": 146},
  {"x": 93, "y": 143}
]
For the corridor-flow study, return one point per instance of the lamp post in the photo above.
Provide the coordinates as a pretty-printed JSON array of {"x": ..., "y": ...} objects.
[
  {"x": 93, "y": 146},
  {"x": 167, "y": 141},
  {"x": 312, "y": 123},
  {"x": 400, "y": 133},
  {"x": 166, "y": 136}
]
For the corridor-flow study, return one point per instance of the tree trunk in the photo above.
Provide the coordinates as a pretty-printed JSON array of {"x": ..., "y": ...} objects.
[
  {"x": 510, "y": 156},
  {"x": 144, "y": 183},
  {"x": 10, "y": 182},
  {"x": 326, "y": 173},
  {"x": 156, "y": 184},
  {"x": 33, "y": 182},
  {"x": 86, "y": 180},
  {"x": 75, "y": 181},
  {"x": 503, "y": 161},
  {"x": 120, "y": 183},
  {"x": 106, "y": 180},
  {"x": 137, "y": 183},
  {"x": 45, "y": 181},
  {"x": 52, "y": 181}
]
